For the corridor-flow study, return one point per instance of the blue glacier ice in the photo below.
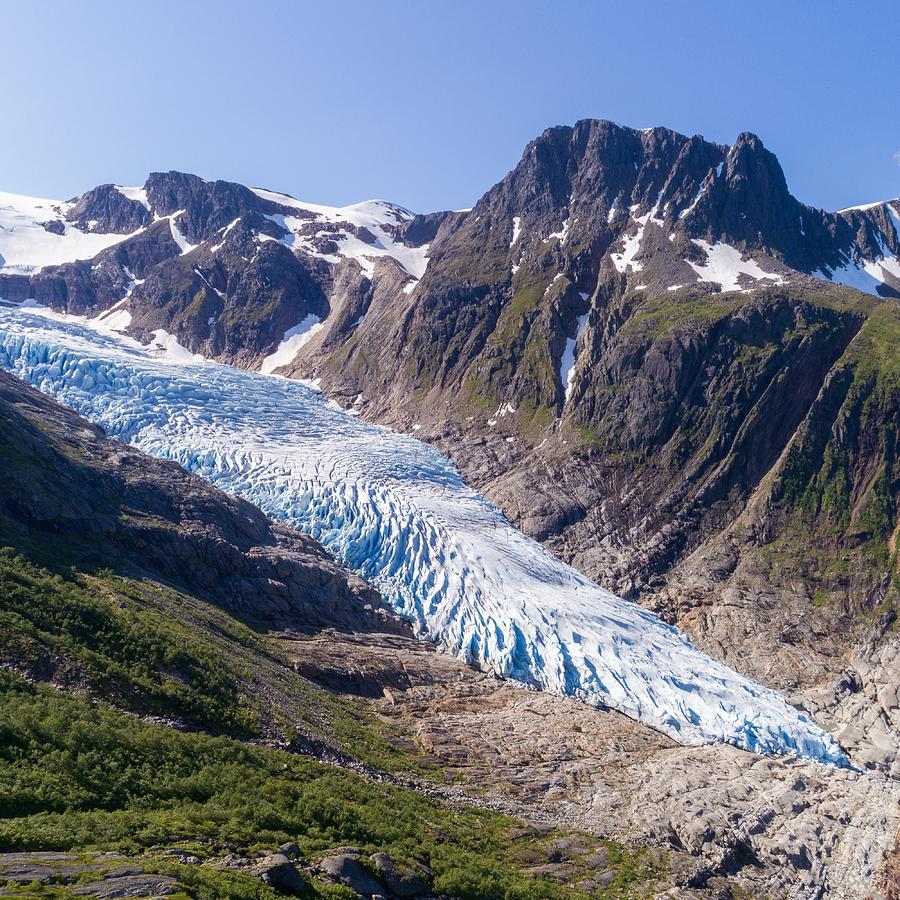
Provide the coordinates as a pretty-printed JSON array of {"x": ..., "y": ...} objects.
[{"x": 397, "y": 512}]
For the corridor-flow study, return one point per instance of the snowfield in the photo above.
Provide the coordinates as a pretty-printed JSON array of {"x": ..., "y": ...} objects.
[
  {"x": 26, "y": 246},
  {"x": 397, "y": 512},
  {"x": 376, "y": 216}
]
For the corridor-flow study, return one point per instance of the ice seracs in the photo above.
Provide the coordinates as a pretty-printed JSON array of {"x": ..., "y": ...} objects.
[{"x": 396, "y": 511}]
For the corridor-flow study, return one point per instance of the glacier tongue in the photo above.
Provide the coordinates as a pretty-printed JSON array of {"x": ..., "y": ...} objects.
[{"x": 397, "y": 512}]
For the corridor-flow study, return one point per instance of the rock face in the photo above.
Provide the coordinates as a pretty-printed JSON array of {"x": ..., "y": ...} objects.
[{"x": 106, "y": 209}]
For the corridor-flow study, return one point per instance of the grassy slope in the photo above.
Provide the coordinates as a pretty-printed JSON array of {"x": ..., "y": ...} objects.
[
  {"x": 838, "y": 488},
  {"x": 77, "y": 774},
  {"x": 81, "y": 776}
]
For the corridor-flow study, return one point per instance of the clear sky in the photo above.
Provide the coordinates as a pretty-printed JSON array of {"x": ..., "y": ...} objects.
[{"x": 430, "y": 103}]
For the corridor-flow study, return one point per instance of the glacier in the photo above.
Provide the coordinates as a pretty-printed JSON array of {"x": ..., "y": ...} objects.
[{"x": 397, "y": 512}]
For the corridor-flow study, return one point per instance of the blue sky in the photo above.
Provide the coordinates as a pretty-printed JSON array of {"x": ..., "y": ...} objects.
[{"x": 428, "y": 104}]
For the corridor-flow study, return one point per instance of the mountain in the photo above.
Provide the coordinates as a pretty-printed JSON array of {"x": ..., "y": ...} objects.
[
  {"x": 652, "y": 358},
  {"x": 229, "y": 269},
  {"x": 638, "y": 344}
]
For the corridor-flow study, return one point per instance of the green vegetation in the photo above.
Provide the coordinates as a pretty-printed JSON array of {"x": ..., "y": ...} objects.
[
  {"x": 673, "y": 310},
  {"x": 827, "y": 473},
  {"x": 107, "y": 629},
  {"x": 153, "y": 650},
  {"x": 477, "y": 255},
  {"x": 513, "y": 321},
  {"x": 82, "y": 776},
  {"x": 838, "y": 483}
]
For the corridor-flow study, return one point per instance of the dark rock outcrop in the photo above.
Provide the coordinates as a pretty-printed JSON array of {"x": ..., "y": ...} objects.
[
  {"x": 106, "y": 210},
  {"x": 108, "y": 505},
  {"x": 280, "y": 873},
  {"x": 345, "y": 868}
]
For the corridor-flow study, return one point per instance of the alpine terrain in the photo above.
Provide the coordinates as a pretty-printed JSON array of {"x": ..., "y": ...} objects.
[{"x": 546, "y": 548}]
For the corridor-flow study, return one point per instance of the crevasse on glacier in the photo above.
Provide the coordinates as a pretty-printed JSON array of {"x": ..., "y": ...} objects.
[{"x": 397, "y": 512}]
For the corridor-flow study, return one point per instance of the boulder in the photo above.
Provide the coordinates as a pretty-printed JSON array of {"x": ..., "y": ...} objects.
[
  {"x": 279, "y": 872},
  {"x": 399, "y": 880},
  {"x": 347, "y": 869}
]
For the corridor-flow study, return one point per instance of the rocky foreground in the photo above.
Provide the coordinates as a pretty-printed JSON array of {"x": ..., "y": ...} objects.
[{"x": 727, "y": 819}]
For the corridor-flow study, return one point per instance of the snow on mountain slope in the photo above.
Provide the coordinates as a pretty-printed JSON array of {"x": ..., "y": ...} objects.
[
  {"x": 397, "y": 512},
  {"x": 567, "y": 363},
  {"x": 294, "y": 338},
  {"x": 725, "y": 264},
  {"x": 368, "y": 218},
  {"x": 869, "y": 275},
  {"x": 26, "y": 246}
]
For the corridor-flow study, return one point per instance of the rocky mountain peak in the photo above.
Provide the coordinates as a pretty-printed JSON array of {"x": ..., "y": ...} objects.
[
  {"x": 106, "y": 209},
  {"x": 206, "y": 206},
  {"x": 590, "y": 207}
]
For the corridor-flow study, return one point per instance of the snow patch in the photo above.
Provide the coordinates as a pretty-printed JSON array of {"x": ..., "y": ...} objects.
[
  {"x": 567, "y": 362},
  {"x": 868, "y": 275},
  {"x": 294, "y": 338},
  {"x": 167, "y": 345},
  {"x": 134, "y": 193},
  {"x": 560, "y": 235},
  {"x": 517, "y": 228},
  {"x": 862, "y": 206},
  {"x": 26, "y": 246},
  {"x": 216, "y": 247},
  {"x": 864, "y": 275},
  {"x": 116, "y": 319},
  {"x": 378, "y": 217},
  {"x": 724, "y": 264},
  {"x": 183, "y": 244},
  {"x": 631, "y": 244},
  {"x": 704, "y": 185}
]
